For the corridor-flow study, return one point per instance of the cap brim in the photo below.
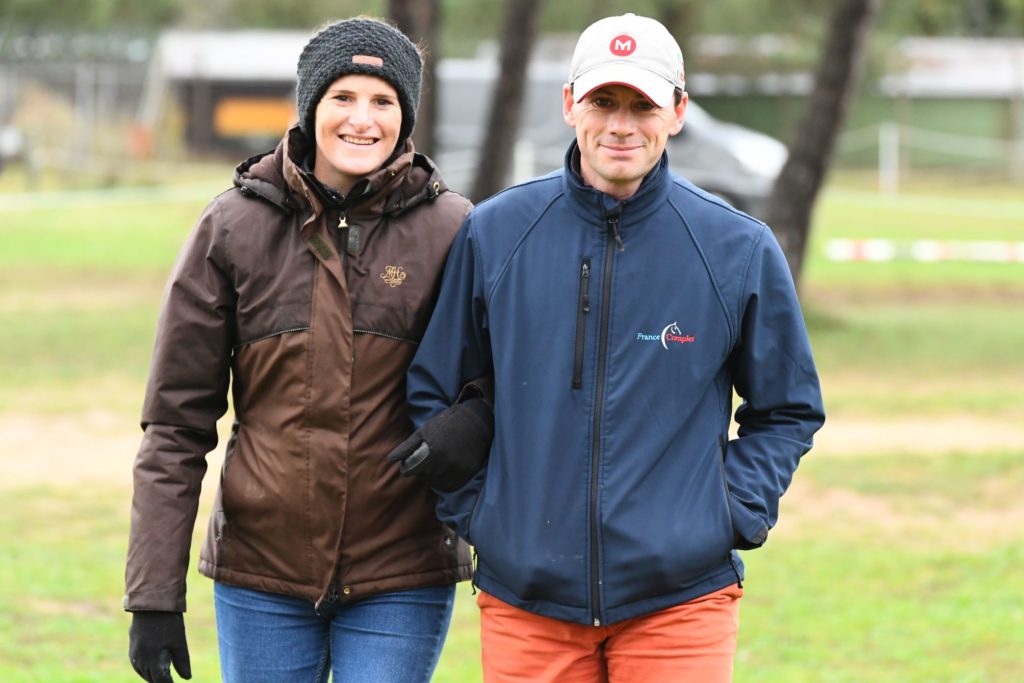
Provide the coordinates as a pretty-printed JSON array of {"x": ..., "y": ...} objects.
[{"x": 653, "y": 87}]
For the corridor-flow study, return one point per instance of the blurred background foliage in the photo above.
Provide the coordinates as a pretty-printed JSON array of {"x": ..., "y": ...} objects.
[{"x": 467, "y": 21}]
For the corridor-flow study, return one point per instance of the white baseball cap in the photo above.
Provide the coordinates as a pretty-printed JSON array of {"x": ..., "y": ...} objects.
[{"x": 629, "y": 50}]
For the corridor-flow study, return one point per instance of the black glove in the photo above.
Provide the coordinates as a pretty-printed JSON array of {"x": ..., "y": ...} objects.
[
  {"x": 156, "y": 639},
  {"x": 449, "y": 448}
]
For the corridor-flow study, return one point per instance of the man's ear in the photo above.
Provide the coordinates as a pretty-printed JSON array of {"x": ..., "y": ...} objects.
[
  {"x": 567, "y": 102},
  {"x": 679, "y": 112}
]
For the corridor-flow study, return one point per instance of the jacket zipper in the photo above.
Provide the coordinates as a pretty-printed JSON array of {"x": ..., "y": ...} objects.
[
  {"x": 328, "y": 602},
  {"x": 595, "y": 453},
  {"x": 343, "y": 239},
  {"x": 582, "y": 308}
]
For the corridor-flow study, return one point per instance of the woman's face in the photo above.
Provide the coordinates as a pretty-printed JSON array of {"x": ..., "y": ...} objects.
[{"x": 357, "y": 124}]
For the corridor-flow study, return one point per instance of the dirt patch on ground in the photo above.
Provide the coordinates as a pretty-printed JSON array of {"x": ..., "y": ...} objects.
[
  {"x": 99, "y": 447},
  {"x": 69, "y": 450},
  {"x": 825, "y": 297},
  {"x": 919, "y": 434},
  {"x": 930, "y": 524}
]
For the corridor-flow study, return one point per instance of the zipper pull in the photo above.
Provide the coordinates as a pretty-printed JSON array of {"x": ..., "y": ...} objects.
[
  {"x": 326, "y": 606},
  {"x": 613, "y": 225},
  {"x": 586, "y": 288},
  {"x": 342, "y": 223}
]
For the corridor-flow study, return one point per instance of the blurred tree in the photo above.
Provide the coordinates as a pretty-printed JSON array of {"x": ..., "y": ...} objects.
[
  {"x": 304, "y": 14},
  {"x": 810, "y": 153},
  {"x": 35, "y": 15},
  {"x": 981, "y": 18},
  {"x": 681, "y": 18},
  {"x": 469, "y": 21},
  {"x": 421, "y": 21},
  {"x": 519, "y": 33}
]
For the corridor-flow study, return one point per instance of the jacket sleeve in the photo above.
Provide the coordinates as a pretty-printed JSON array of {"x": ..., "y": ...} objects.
[
  {"x": 774, "y": 374},
  {"x": 455, "y": 349},
  {"x": 185, "y": 395}
]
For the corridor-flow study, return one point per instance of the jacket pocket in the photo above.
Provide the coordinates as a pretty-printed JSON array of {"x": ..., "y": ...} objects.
[
  {"x": 725, "y": 485},
  {"x": 748, "y": 530},
  {"x": 456, "y": 509},
  {"x": 582, "y": 309}
]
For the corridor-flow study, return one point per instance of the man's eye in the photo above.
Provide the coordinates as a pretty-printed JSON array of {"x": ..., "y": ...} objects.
[
  {"x": 602, "y": 102},
  {"x": 645, "y": 106}
]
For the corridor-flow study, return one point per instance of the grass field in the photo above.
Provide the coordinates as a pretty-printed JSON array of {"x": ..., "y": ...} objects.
[{"x": 895, "y": 559}]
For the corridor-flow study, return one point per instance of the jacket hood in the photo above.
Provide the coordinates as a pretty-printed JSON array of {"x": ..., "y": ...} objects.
[{"x": 279, "y": 177}]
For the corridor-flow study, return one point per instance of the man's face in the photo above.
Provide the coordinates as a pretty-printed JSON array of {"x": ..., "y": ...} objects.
[{"x": 621, "y": 135}]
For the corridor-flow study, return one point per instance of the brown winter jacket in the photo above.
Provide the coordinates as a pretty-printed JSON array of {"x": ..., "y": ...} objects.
[{"x": 316, "y": 346}]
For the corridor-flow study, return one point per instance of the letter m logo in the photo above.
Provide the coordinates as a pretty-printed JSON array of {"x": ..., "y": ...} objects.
[{"x": 622, "y": 45}]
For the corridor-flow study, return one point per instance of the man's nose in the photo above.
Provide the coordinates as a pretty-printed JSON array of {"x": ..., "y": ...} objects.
[{"x": 622, "y": 122}]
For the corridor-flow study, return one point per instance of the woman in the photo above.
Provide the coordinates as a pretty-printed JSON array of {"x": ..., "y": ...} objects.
[{"x": 307, "y": 286}]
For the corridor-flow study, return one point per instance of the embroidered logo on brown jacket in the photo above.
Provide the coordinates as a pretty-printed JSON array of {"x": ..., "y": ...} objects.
[{"x": 393, "y": 275}]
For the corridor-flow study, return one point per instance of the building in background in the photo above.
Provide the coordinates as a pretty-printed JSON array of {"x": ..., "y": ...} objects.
[
  {"x": 235, "y": 89},
  {"x": 80, "y": 101}
]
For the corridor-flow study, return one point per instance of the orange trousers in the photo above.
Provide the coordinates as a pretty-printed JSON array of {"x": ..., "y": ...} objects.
[{"x": 694, "y": 642}]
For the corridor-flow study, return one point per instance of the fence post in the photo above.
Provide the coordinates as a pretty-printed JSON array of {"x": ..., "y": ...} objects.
[
  {"x": 522, "y": 160},
  {"x": 889, "y": 157},
  {"x": 84, "y": 127},
  {"x": 1017, "y": 115}
]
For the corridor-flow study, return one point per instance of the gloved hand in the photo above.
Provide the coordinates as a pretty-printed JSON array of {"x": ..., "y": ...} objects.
[
  {"x": 450, "y": 447},
  {"x": 156, "y": 639}
]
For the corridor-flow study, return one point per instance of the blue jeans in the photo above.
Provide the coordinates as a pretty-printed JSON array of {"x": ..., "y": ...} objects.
[{"x": 389, "y": 638}]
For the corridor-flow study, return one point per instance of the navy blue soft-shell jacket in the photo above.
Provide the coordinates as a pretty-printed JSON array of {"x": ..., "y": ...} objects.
[{"x": 616, "y": 332}]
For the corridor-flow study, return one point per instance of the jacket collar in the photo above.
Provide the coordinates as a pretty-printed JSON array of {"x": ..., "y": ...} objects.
[
  {"x": 594, "y": 205},
  {"x": 280, "y": 177}
]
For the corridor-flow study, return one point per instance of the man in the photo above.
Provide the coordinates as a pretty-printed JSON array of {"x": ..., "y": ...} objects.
[{"x": 618, "y": 307}]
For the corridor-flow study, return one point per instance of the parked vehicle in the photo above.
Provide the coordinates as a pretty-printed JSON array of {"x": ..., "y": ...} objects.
[{"x": 737, "y": 163}]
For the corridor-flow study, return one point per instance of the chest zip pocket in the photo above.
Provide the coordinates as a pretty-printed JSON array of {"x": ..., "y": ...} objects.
[{"x": 582, "y": 308}]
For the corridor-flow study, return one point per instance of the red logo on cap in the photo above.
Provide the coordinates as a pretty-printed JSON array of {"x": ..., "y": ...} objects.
[{"x": 622, "y": 45}]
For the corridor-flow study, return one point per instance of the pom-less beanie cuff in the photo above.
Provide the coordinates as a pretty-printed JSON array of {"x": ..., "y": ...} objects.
[{"x": 359, "y": 46}]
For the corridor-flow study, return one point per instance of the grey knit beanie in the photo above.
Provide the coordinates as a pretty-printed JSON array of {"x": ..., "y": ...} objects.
[{"x": 359, "y": 46}]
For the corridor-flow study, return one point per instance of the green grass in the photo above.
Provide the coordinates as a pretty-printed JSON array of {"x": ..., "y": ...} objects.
[
  {"x": 79, "y": 296},
  {"x": 885, "y": 568},
  {"x": 978, "y": 482},
  {"x": 56, "y": 354},
  {"x": 919, "y": 355},
  {"x": 828, "y": 610},
  {"x": 80, "y": 286},
  {"x": 94, "y": 241},
  {"x": 858, "y": 214},
  {"x": 904, "y": 580},
  {"x": 61, "y": 574},
  {"x": 844, "y": 596}
]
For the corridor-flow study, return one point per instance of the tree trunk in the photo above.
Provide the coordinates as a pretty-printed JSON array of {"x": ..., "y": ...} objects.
[
  {"x": 498, "y": 144},
  {"x": 681, "y": 18},
  {"x": 810, "y": 153},
  {"x": 420, "y": 20}
]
